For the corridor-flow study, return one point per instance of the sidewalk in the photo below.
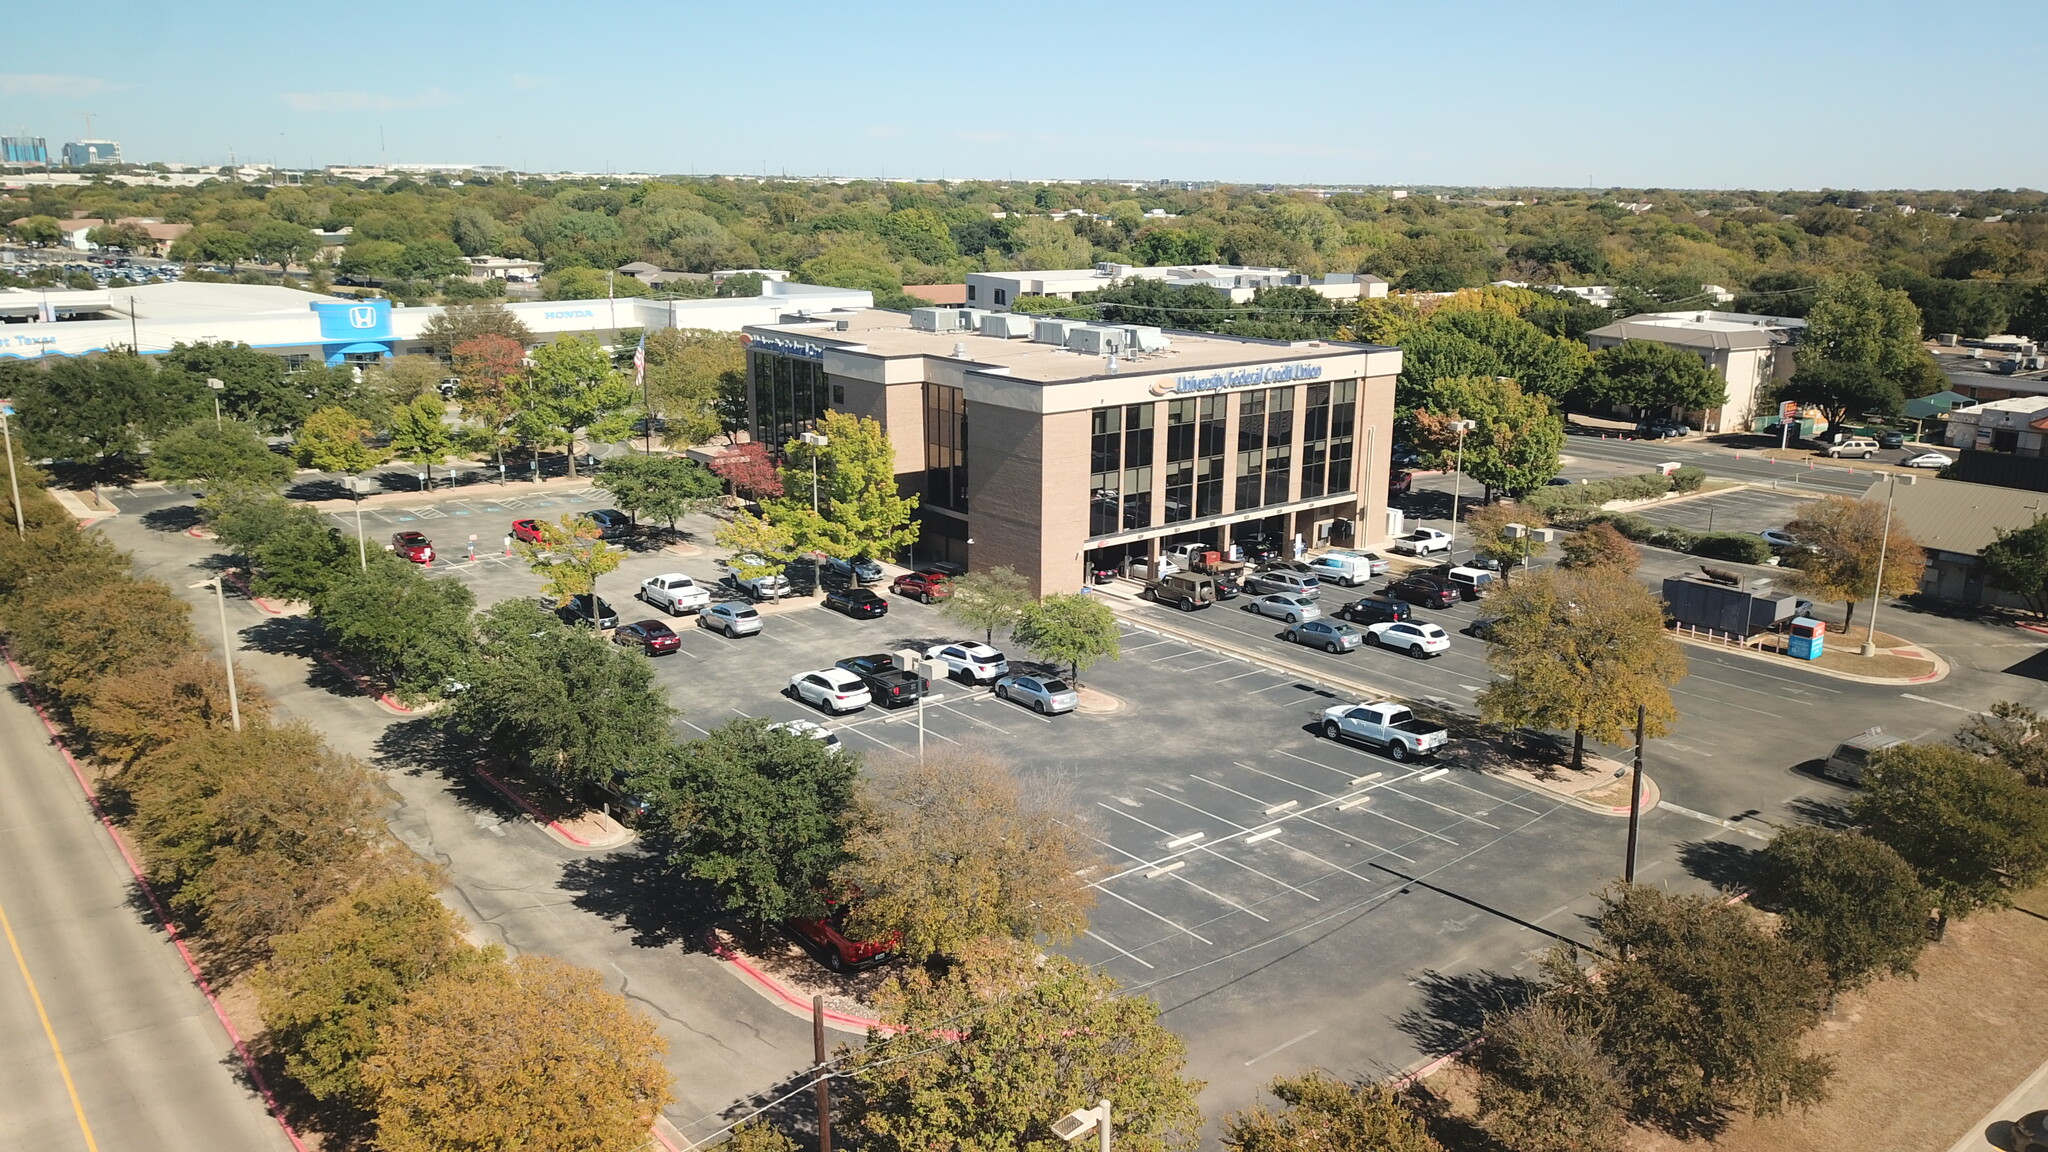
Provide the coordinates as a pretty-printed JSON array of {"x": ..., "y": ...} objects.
[{"x": 1993, "y": 1133}]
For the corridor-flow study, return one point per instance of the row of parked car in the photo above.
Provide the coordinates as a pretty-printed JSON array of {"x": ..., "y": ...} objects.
[{"x": 859, "y": 681}]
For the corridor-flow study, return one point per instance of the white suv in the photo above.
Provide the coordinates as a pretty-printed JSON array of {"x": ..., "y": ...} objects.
[
  {"x": 1861, "y": 447},
  {"x": 975, "y": 663}
]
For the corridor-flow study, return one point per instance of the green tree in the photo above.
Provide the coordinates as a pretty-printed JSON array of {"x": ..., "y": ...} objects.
[
  {"x": 332, "y": 983},
  {"x": 420, "y": 434},
  {"x": 689, "y": 373},
  {"x": 1069, "y": 628},
  {"x": 1516, "y": 443},
  {"x": 759, "y": 546},
  {"x": 572, "y": 386},
  {"x": 207, "y": 453},
  {"x": 395, "y": 623},
  {"x": 282, "y": 243},
  {"x": 758, "y": 815},
  {"x": 558, "y": 701},
  {"x": 1039, "y": 1036},
  {"x": 95, "y": 406},
  {"x": 1971, "y": 828},
  {"x": 1845, "y": 542},
  {"x": 126, "y": 237},
  {"x": 335, "y": 440},
  {"x": 299, "y": 557},
  {"x": 960, "y": 847},
  {"x": 663, "y": 488},
  {"x": 1861, "y": 350},
  {"x": 589, "y": 284},
  {"x": 2017, "y": 562},
  {"x": 1850, "y": 901},
  {"x": 458, "y": 323},
  {"x": 859, "y": 512},
  {"x": 1599, "y": 543},
  {"x": 2011, "y": 734},
  {"x": 1544, "y": 1085},
  {"x": 1654, "y": 377},
  {"x": 38, "y": 231},
  {"x": 569, "y": 557},
  {"x": 74, "y": 635},
  {"x": 988, "y": 600},
  {"x": 536, "y": 1054},
  {"x": 1581, "y": 649},
  {"x": 1325, "y": 1114},
  {"x": 255, "y": 385}
]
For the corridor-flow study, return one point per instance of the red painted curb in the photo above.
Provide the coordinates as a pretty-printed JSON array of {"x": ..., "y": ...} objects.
[
  {"x": 530, "y": 810},
  {"x": 2041, "y": 628},
  {"x": 162, "y": 915},
  {"x": 363, "y": 683},
  {"x": 259, "y": 601},
  {"x": 781, "y": 992}
]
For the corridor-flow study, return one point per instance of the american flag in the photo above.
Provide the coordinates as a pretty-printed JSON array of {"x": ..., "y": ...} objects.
[{"x": 640, "y": 361}]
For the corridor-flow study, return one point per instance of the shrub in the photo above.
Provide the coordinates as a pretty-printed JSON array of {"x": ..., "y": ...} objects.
[
  {"x": 1740, "y": 547},
  {"x": 1688, "y": 479},
  {"x": 1673, "y": 537},
  {"x": 1630, "y": 525}
]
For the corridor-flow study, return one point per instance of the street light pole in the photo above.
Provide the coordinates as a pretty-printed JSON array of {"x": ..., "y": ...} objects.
[
  {"x": 1458, "y": 484},
  {"x": 218, "y": 387},
  {"x": 1891, "y": 489},
  {"x": 355, "y": 488},
  {"x": 227, "y": 647},
  {"x": 13, "y": 482},
  {"x": 817, "y": 442},
  {"x": 1635, "y": 802}
]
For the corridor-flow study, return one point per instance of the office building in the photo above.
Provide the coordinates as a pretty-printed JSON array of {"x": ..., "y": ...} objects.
[
  {"x": 1751, "y": 354},
  {"x": 999, "y": 291},
  {"x": 86, "y": 153},
  {"x": 1057, "y": 448},
  {"x": 30, "y": 151}
]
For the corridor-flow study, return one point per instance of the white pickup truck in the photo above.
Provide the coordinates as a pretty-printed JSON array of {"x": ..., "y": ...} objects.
[
  {"x": 1385, "y": 725},
  {"x": 1422, "y": 542},
  {"x": 675, "y": 593}
]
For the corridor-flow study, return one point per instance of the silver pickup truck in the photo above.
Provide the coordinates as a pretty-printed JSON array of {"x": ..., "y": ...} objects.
[{"x": 1387, "y": 726}]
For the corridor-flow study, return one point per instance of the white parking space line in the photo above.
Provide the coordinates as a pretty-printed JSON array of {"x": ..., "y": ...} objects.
[
  {"x": 1381, "y": 815},
  {"x": 1940, "y": 703},
  {"x": 1730, "y": 825},
  {"x": 1212, "y": 664},
  {"x": 1268, "y": 688},
  {"x": 1274, "y": 1051},
  {"x": 1184, "y": 841},
  {"x": 1158, "y": 869},
  {"x": 1090, "y": 933},
  {"x": 1240, "y": 676},
  {"x": 1726, "y": 703},
  {"x": 1112, "y": 893}
]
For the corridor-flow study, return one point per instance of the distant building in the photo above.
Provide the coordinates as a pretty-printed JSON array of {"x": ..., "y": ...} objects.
[
  {"x": 1751, "y": 354},
  {"x": 1953, "y": 521},
  {"x": 2017, "y": 425},
  {"x": 75, "y": 231},
  {"x": 1598, "y": 295},
  {"x": 25, "y": 150},
  {"x": 1995, "y": 368},
  {"x": 938, "y": 293},
  {"x": 483, "y": 268},
  {"x": 999, "y": 291},
  {"x": 86, "y": 153}
]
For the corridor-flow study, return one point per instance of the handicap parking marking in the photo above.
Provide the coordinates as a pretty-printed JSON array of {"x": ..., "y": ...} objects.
[
  {"x": 427, "y": 513},
  {"x": 510, "y": 502}
]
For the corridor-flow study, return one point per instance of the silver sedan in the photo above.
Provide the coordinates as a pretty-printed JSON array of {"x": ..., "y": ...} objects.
[
  {"x": 1285, "y": 606},
  {"x": 1045, "y": 694}
]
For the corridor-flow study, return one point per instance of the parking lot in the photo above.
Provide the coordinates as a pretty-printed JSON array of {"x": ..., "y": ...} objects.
[{"x": 1741, "y": 510}]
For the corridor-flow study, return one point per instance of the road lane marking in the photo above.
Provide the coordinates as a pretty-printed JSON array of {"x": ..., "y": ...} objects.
[
  {"x": 1283, "y": 1047},
  {"x": 1730, "y": 825},
  {"x": 1941, "y": 703},
  {"x": 49, "y": 1033}
]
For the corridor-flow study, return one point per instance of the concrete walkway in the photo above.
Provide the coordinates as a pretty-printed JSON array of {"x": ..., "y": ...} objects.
[{"x": 1993, "y": 1133}]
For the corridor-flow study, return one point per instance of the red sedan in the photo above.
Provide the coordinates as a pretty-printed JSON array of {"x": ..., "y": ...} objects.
[
  {"x": 527, "y": 530},
  {"x": 828, "y": 940},
  {"x": 413, "y": 546},
  {"x": 650, "y": 636},
  {"x": 922, "y": 586}
]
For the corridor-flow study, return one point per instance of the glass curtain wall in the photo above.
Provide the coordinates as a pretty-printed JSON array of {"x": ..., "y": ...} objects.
[
  {"x": 1343, "y": 423},
  {"x": 1209, "y": 455},
  {"x": 945, "y": 447},
  {"x": 1251, "y": 448},
  {"x": 1138, "y": 465},
  {"x": 1279, "y": 444},
  {"x": 1180, "y": 461},
  {"x": 1105, "y": 471},
  {"x": 789, "y": 397}
]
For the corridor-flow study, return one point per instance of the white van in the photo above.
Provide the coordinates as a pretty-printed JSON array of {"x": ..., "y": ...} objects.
[{"x": 1347, "y": 568}]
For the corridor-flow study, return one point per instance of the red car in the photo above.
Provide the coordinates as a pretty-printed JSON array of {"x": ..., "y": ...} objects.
[
  {"x": 413, "y": 546},
  {"x": 650, "y": 636},
  {"x": 527, "y": 530},
  {"x": 922, "y": 586},
  {"x": 827, "y": 938}
]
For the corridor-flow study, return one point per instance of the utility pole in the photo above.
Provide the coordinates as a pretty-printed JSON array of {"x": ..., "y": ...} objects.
[
  {"x": 13, "y": 481},
  {"x": 824, "y": 1079},
  {"x": 1635, "y": 802}
]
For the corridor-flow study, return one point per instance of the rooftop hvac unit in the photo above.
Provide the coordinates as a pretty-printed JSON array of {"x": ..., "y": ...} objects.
[
  {"x": 1141, "y": 338},
  {"x": 935, "y": 319},
  {"x": 970, "y": 319},
  {"x": 1050, "y": 331},
  {"x": 1005, "y": 325},
  {"x": 1091, "y": 340}
]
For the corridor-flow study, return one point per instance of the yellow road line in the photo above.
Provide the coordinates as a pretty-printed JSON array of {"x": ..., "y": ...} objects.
[{"x": 50, "y": 1033}]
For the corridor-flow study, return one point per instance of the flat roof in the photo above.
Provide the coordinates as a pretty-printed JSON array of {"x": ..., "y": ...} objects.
[{"x": 889, "y": 334}]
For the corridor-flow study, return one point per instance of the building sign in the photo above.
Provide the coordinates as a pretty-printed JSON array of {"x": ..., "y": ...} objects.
[
  {"x": 1237, "y": 378},
  {"x": 784, "y": 346},
  {"x": 35, "y": 341},
  {"x": 569, "y": 314},
  {"x": 350, "y": 320}
]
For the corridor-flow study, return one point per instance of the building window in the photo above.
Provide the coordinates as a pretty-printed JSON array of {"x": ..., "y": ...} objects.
[
  {"x": 1209, "y": 457},
  {"x": 970, "y": 293},
  {"x": 1279, "y": 444},
  {"x": 1137, "y": 466},
  {"x": 295, "y": 360},
  {"x": 1105, "y": 475},
  {"x": 945, "y": 447},
  {"x": 1343, "y": 422},
  {"x": 838, "y": 395},
  {"x": 1315, "y": 441},
  {"x": 1002, "y": 296},
  {"x": 789, "y": 397},
  {"x": 1251, "y": 448},
  {"x": 1180, "y": 460}
]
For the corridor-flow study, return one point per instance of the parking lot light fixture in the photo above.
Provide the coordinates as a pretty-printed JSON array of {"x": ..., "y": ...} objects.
[
  {"x": 1891, "y": 489},
  {"x": 1079, "y": 1123},
  {"x": 218, "y": 387},
  {"x": 1458, "y": 485},
  {"x": 817, "y": 441}
]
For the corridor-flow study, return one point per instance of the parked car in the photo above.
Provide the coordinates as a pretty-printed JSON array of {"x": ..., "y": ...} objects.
[
  {"x": 1387, "y": 726},
  {"x": 1285, "y": 606},
  {"x": 1889, "y": 440},
  {"x": 860, "y": 569},
  {"x": 810, "y": 730},
  {"x": 1469, "y": 581},
  {"x": 859, "y": 603},
  {"x": 1928, "y": 460},
  {"x": 973, "y": 663},
  {"x": 674, "y": 593},
  {"x": 413, "y": 546},
  {"x": 1779, "y": 539},
  {"x": 924, "y": 587},
  {"x": 612, "y": 524},
  {"x": 1422, "y": 592},
  {"x": 1481, "y": 628},
  {"x": 731, "y": 618},
  {"x": 1331, "y": 636},
  {"x": 650, "y": 636},
  {"x": 1415, "y": 637},
  {"x": 771, "y": 587},
  {"x": 578, "y": 611},
  {"x": 626, "y": 806},
  {"x": 1347, "y": 568},
  {"x": 1855, "y": 447},
  {"x": 1290, "y": 583},
  {"x": 1047, "y": 695},
  {"x": 1257, "y": 546},
  {"x": 1187, "y": 591},
  {"x": 891, "y": 686},
  {"x": 1282, "y": 564},
  {"x": 1422, "y": 542},
  {"x": 827, "y": 939},
  {"x": 1400, "y": 483},
  {"x": 527, "y": 530},
  {"x": 1228, "y": 587},
  {"x": 833, "y": 689},
  {"x": 1372, "y": 610},
  {"x": 1847, "y": 762},
  {"x": 1662, "y": 429}
]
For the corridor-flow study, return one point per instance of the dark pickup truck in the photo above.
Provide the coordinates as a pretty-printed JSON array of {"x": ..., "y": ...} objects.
[{"x": 892, "y": 687}]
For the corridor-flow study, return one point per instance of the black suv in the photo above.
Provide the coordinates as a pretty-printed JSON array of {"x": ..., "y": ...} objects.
[
  {"x": 612, "y": 524},
  {"x": 1423, "y": 591},
  {"x": 1372, "y": 610},
  {"x": 577, "y": 611},
  {"x": 891, "y": 687},
  {"x": 856, "y": 602},
  {"x": 1258, "y": 547}
]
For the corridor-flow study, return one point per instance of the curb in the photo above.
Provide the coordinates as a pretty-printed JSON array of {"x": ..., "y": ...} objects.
[
  {"x": 1941, "y": 666},
  {"x": 551, "y": 827},
  {"x": 383, "y": 700},
  {"x": 163, "y": 916},
  {"x": 1652, "y": 795},
  {"x": 258, "y": 601},
  {"x": 775, "y": 990}
]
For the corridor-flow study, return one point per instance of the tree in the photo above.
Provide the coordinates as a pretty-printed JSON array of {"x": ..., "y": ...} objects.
[
  {"x": 212, "y": 244},
  {"x": 144, "y": 708},
  {"x": 282, "y": 243},
  {"x": 961, "y": 847},
  {"x": 988, "y": 600},
  {"x": 1325, "y": 1114},
  {"x": 126, "y": 237},
  {"x": 858, "y": 511},
  {"x": 536, "y": 1054},
  {"x": 560, "y": 702},
  {"x": 95, "y": 406},
  {"x": 758, "y": 815},
  {"x": 758, "y": 546},
  {"x": 37, "y": 231},
  {"x": 1488, "y": 526},
  {"x": 77, "y": 635},
  {"x": 1544, "y": 1085},
  {"x": 1654, "y": 377},
  {"x": 2011, "y": 734},
  {"x": 300, "y": 557},
  {"x": 255, "y": 386},
  {"x": 420, "y": 433},
  {"x": 1844, "y": 539},
  {"x": 1849, "y": 901},
  {"x": 336, "y": 440},
  {"x": 1971, "y": 828},
  {"x": 688, "y": 372},
  {"x": 1861, "y": 349},
  {"x": 1704, "y": 1010},
  {"x": 1581, "y": 649},
  {"x": 1038, "y": 1036},
  {"x": 2017, "y": 562},
  {"x": 1516, "y": 444},
  {"x": 750, "y": 472},
  {"x": 1069, "y": 628},
  {"x": 569, "y": 557},
  {"x": 458, "y": 323},
  {"x": 659, "y": 487},
  {"x": 207, "y": 453},
  {"x": 395, "y": 623},
  {"x": 1597, "y": 544},
  {"x": 572, "y": 385},
  {"x": 488, "y": 367},
  {"x": 330, "y": 985}
]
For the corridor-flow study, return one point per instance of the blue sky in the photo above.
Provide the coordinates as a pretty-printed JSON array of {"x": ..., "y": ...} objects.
[{"x": 1871, "y": 94}]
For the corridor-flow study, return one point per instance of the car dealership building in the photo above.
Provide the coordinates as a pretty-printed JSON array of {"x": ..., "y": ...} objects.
[{"x": 1057, "y": 448}]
